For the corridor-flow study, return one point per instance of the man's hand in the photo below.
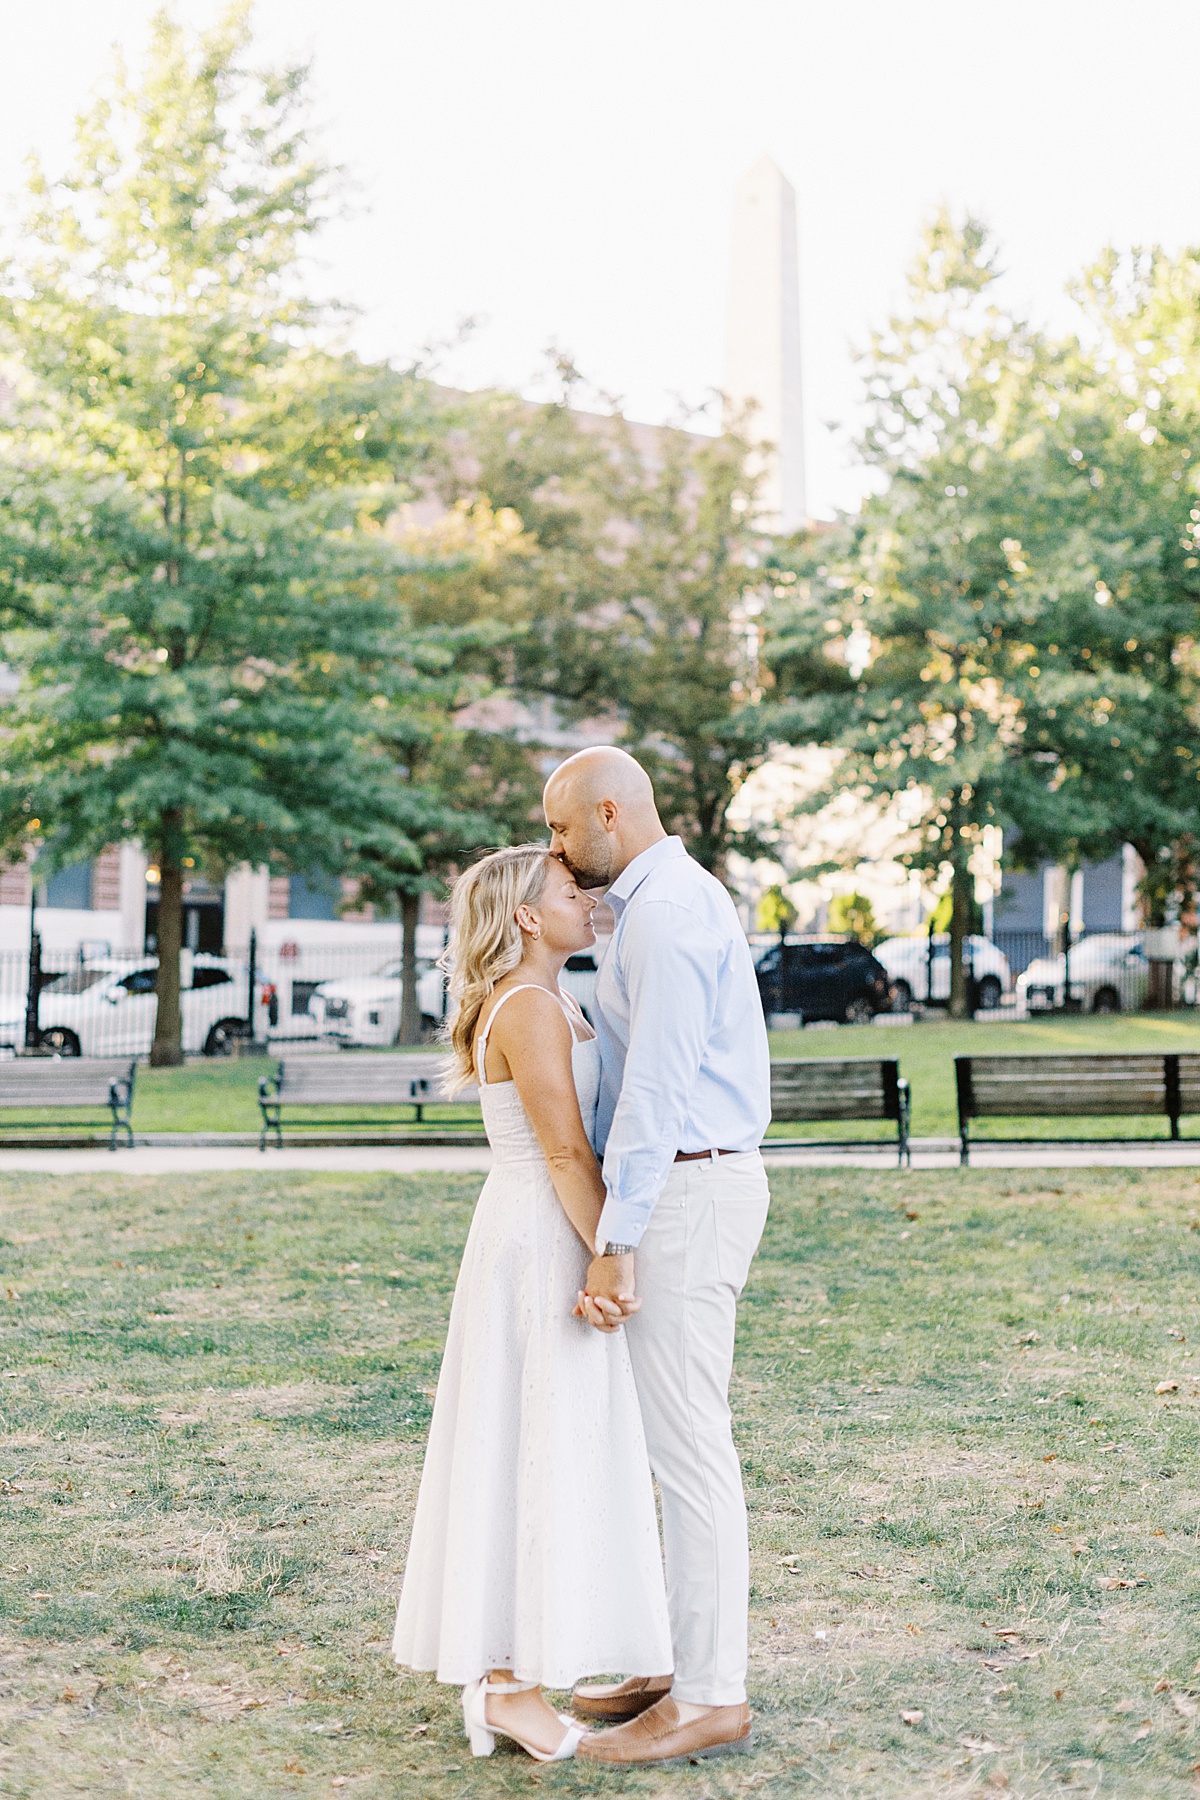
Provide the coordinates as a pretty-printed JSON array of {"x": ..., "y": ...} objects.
[{"x": 608, "y": 1296}]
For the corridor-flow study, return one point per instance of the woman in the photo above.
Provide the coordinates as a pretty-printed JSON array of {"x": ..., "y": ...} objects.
[{"x": 534, "y": 1557}]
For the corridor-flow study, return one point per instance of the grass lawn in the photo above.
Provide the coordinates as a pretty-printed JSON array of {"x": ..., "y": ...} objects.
[{"x": 970, "y": 1503}]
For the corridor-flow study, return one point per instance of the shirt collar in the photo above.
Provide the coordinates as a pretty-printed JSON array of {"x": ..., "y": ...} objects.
[{"x": 667, "y": 849}]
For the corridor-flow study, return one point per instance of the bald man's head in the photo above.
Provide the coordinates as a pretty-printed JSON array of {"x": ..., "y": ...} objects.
[{"x": 601, "y": 813}]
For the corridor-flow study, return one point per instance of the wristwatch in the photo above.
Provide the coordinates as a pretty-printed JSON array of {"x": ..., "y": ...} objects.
[{"x": 611, "y": 1249}]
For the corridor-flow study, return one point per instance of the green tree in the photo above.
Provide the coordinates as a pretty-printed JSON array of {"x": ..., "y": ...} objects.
[
  {"x": 854, "y": 914},
  {"x": 199, "y": 604},
  {"x": 638, "y": 597},
  {"x": 1120, "y": 587},
  {"x": 448, "y": 731},
  {"x": 927, "y": 606},
  {"x": 775, "y": 911}
]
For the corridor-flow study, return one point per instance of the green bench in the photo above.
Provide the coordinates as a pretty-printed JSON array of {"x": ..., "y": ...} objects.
[
  {"x": 811, "y": 1088},
  {"x": 31, "y": 1084},
  {"x": 1161, "y": 1084},
  {"x": 397, "y": 1089}
]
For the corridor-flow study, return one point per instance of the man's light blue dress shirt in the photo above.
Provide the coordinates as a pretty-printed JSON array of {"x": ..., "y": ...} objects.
[{"x": 683, "y": 1041}]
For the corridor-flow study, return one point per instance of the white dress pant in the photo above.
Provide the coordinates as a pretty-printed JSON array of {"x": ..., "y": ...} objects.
[{"x": 691, "y": 1266}]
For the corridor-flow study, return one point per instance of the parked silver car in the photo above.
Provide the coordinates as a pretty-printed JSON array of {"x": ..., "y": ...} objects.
[
  {"x": 366, "y": 1009},
  {"x": 906, "y": 960},
  {"x": 1108, "y": 973}
]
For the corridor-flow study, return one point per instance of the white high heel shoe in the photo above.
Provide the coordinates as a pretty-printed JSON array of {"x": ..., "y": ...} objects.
[{"x": 482, "y": 1736}]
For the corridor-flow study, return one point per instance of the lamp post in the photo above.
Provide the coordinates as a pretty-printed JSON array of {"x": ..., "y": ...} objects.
[{"x": 34, "y": 987}]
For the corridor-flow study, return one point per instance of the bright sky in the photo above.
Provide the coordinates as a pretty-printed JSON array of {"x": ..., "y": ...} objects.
[{"x": 563, "y": 169}]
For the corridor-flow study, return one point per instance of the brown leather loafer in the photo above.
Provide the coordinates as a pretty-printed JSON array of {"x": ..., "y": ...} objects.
[
  {"x": 659, "y": 1735},
  {"x": 613, "y": 1702}
]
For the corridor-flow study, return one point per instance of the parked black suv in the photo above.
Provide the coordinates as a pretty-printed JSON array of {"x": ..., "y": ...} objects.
[{"x": 823, "y": 978}]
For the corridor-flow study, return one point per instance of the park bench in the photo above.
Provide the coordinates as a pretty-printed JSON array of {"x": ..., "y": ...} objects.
[
  {"x": 34, "y": 1084},
  {"x": 1074, "y": 1087},
  {"x": 843, "y": 1087},
  {"x": 397, "y": 1088}
]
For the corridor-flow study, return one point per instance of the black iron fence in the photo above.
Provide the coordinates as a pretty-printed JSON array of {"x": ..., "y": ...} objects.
[
  {"x": 1097, "y": 972},
  {"x": 296, "y": 994},
  {"x": 1018, "y": 972},
  {"x": 80, "y": 1002}
]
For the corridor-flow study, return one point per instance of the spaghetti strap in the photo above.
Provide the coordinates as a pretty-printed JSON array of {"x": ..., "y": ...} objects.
[{"x": 481, "y": 1041}]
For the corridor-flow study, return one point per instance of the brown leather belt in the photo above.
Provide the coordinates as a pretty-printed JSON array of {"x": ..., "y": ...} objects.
[{"x": 696, "y": 1155}]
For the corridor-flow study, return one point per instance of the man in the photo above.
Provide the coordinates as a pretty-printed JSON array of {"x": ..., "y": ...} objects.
[{"x": 684, "y": 1103}]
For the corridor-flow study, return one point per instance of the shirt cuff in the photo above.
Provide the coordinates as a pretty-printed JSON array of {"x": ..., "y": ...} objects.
[{"x": 618, "y": 1225}]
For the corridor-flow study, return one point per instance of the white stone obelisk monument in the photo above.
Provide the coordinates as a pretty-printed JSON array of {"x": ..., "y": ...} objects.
[{"x": 762, "y": 342}]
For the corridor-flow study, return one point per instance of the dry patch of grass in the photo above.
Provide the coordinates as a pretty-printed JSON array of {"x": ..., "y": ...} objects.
[{"x": 969, "y": 1423}]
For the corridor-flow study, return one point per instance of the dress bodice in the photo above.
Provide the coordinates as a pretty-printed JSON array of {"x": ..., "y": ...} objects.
[{"x": 509, "y": 1132}]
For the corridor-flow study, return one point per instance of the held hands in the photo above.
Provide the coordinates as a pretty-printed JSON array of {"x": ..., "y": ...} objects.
[{"x": 607, "y": 1298}]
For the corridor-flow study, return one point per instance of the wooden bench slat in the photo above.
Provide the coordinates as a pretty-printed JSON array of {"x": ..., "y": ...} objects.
[
  {"x": 36, "y": 1083},
  {"x": 840, "y": 1088},
  {"x": 1163, "y": 1084},
  {"x": 342, "y": 1081}
]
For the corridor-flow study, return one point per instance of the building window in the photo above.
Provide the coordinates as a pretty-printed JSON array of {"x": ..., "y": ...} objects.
[
  {"x": 313, "y": 896},
  {"x": 70, "y": 888}
]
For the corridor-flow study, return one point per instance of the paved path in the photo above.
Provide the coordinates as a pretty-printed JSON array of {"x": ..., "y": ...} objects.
[{"x": 928, "y": 1153}]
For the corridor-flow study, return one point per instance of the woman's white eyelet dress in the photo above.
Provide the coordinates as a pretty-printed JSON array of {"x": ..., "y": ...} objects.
[{"x": 535, "y": 1543}]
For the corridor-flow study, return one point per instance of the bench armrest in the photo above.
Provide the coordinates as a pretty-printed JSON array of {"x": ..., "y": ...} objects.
[
  {"x": 270, "y": 1106},
  {"x": 120, "y": 1101}
]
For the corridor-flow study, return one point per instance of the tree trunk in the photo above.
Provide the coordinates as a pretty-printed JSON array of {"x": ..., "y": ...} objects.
[
  {"x": 1160, "y": 995},
  {"x": 166, "y": 1052},
  {"x": 960, "y": 925},
  {"x": 410, "y": 1002}
]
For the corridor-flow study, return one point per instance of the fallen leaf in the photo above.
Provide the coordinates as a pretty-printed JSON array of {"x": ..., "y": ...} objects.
[
  {"x": 1125, "y": 1706},
  {"x": 418, "y": 1731},
  {"x": 790, "y": 1562},
  {"x": 1122, "y": 1581},
  {"x": 1185, "y": 1706},
  {"x": 338, "y": 1781},
  {"x": 1080, "y": 1547},
  {"x": 39, "y": 1594},
  {"x": 910, "y": 1213},
  {"x": 912, "y": 1716},
  {"x": 1162, "y": 1687},
  {"x": 294, "y": 1768},
  {"x": 1167, "y": 1387},
  {"x": 1031, "y": 1337},
  {"x": 997, "y": 1779},
  {"x": 1006, "y": 1631},
  {"x": 1143, "y": 1730},
  {"x": 981, "y": 1745},
  {"x": 869, "y": 1572},
  {"x": 1051, "y": 1458}
]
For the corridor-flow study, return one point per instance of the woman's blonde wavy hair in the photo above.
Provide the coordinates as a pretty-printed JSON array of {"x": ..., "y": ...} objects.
[{"x": 485, "y": 940}]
